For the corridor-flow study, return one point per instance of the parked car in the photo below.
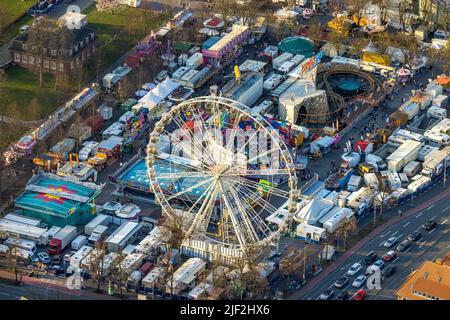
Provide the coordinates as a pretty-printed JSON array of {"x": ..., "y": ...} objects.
[
  {"x": 354, "y": 269},
  {"x": 56, "y": 260},
  {"x": 416, "y": 235},
  {"x": 44, "y": 257},
  {"x": 370, "y": 258},
  {"x": 430, "y": 224},
  {"x": 405, "y": 244},
  {"x": 340, "y": 283},
  {"x": 360, "y": 295},
  {"x": 326, "y": 295},
  {"x": 342, "y": 296},
  {"x": 389, "y": 243},
  {"x": 359, "y": 281},
  {"x": 389, "y": 270},
  {"x": 389, "y": 256},
  {"x": 379, "y": 263},
  {"x": 24, "y": 28}
]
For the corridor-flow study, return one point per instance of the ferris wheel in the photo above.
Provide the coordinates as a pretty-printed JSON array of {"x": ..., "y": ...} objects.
[{"x": 225, "y": 169}]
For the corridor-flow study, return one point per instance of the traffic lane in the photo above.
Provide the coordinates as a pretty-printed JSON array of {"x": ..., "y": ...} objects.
[
  {"x": 435, "y": 244},
  {"x": 376, "y": 244}
]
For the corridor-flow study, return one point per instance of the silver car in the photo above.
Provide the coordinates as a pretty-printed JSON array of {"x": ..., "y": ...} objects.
[{"x": 389, "y": 243}]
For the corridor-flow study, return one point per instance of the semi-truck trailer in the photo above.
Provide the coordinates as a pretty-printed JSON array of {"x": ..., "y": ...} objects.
[{"x": 62, "y": 239}]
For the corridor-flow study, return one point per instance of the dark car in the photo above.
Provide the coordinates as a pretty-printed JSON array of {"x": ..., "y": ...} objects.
[
  {"x": 389, "y": 270},
  {"x": 430, "y": 224},
  {"x": 342, "y": 296},
  {"x": 405, "y": 244},
  {"x": 370, "y": 258},
  {"x": 416, "y": 235},
  {"x": 341, "y": 282}
]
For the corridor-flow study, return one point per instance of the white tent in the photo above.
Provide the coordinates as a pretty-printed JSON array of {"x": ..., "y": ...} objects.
[
  {"x": 150, "y": 99},
  {"x": 313, "y": 211},
  {"x": 169, "y": 85}
]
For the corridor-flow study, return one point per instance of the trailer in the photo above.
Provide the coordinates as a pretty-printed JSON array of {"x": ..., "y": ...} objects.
[
  {"x": 435, "y": 162},
  {"x": 125, "y": 234},
  {"x": 195, "y": 61},
  {"x": 151, "y": 243},
  {"x": 186, "y": 275},
  {"x": 131, "y": 262},
  {"x": 100, "y": 219},
  {"x": 25, "y": 231},
  {"x": 354, "y": 183},
  {"x": 151, "y": 279},
  {"x": 419, "y": 182},
  {"x": 278, "y": 61},
  {"x": 407, "y": 152},
  {"x": 76, "y": 259},
  {"x": 412, "y": 168},
  {"x": 23, "y": 219},
  {"x": 335, "y": 221}
]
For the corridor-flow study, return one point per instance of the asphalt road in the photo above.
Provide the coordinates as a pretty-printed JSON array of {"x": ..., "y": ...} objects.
[
  {"x": 432, "y": 244},
  {"x": 10, "y": 291}
]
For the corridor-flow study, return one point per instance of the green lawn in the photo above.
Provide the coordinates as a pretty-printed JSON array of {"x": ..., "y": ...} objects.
[
  {"x": 22, "y": 88},
  {"x": 12, "y": 10},
  {"x": 111, "y": 30}
]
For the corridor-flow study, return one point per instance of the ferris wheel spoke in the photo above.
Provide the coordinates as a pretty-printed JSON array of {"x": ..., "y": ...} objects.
[
  {"x": 184, "y": 191},
  {"x": 234, "y": 220},
  {"x": 244, "y": 216},
  {"x": 244, "y": 206},
  {"x": 206, "y": 206},
  {"x": 262, "y": 226},
  {"x": 186, "y": 175},
  {"x": 247, "y": 142},
  {"x": 198, "y": 142},
  {"x": 263, "y": 203},
  {"x": 230, "y": 142},
  {"x": 257, "y": 172},
  {"x": 270, "y": 189},
  {"x": 263, "y": 154}
]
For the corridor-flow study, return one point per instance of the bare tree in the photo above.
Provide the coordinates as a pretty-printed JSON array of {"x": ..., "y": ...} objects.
[
  {"x": 119, "y": 274},
  {"x": 384, "y": 6},
  {"x": 348, "y": 227},
  {"x": 109, "y": 5},
  {"x": 97, "y": 263},
  {"x": 226, "y": 8},
  {"x": 315, "y": 31},
  {"x": 38, "y": 39},
  {"x": 3, "y": 96}
]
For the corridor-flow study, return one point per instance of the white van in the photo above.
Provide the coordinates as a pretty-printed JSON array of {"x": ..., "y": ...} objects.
[
  {"x": 272, "y": 81},
  {"x": 412, "y": 168},
  {"x": 27, "y": 245},
  {"x": 376, "y": 161}
]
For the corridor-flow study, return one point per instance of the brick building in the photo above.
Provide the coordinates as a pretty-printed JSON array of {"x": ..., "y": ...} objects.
[{"x": 65, "y": 50}]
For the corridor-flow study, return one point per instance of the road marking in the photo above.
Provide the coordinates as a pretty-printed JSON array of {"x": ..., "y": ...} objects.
[
  {"x": 434, "y": 217},
  {"x": 384, "y": 235},
  {"x": 331, "y": 286},
  {"x": 420, "y": 239},
  {"x": 394, "y": 233},
  {"x": 381, "y": 243},
  {"x": 432, "y": 230},
  {"x": 345, "y": 267},
  {"x": 418, "y": 216},
  {"x": 430, "y": 207},
  {"x": 395, "y": 258},
  {"x": 406, "y": 224},
  {"x": 444, "y": 221},
  {"x": 309, "y": 298},
  {"x": 400, "y": 236},
  {"x": 445, "y": 209},
  {"x": 407, "y": 250}
]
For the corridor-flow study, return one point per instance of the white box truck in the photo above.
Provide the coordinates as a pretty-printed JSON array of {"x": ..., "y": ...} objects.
[
  {"x": 97, "y": 234},
  {"x": 408, "y": 151},
  {"x": 435, "y": 162},
  {"x": 26, "y": 245},
  {"x": 23, "y": 219},
  {"x": 101, "y": 219},
  {"x": 78, "y": 242}
]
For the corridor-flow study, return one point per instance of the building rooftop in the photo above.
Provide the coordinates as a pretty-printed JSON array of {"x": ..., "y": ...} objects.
[{"x": 431, "y": 281}]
